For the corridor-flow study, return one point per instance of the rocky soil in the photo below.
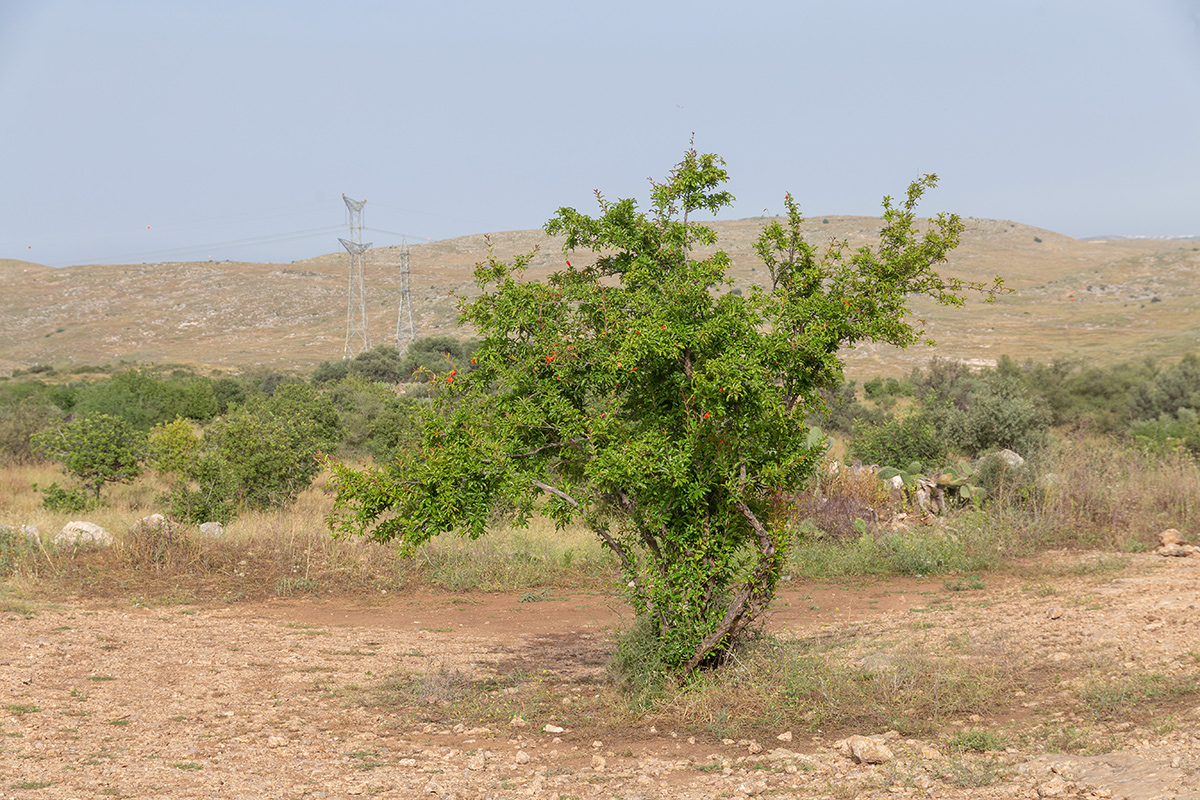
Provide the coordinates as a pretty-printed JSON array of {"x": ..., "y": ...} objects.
[{"x": 267, "y": 700}]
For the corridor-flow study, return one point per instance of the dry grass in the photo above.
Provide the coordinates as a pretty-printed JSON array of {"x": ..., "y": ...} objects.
[
  {"x": 1099, "y": 493},
  {"x": 772, "y": 686},
  {"x": 279, "y": 553}
]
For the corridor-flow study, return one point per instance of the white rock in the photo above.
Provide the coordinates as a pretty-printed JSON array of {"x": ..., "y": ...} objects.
[
  {"x": 548, "y": 728},
  {"x": 75, "y": 534},
  {"x": 865, "y": 750},
  {"x": 517, "y": 722},
  {"x": 522, "y": 757},
  {"x": 786, "y": 736},
  {"x": 152, "y": 522},
  {"x": 1010, "y": 458},
  {"x": 212, "y": 530}
]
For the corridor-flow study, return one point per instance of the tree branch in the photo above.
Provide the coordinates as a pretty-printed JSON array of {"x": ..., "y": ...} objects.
[{"x": 591, "y": 523}]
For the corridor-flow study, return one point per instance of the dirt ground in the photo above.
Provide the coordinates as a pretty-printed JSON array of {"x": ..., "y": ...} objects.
[{"x": 264, "y": 700}]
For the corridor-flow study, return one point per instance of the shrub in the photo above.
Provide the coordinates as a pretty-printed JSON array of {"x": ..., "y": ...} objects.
[
  {"x": 899, "y": 442},
  {"x": 637, "y": 395},
  {"x": 260, "y": 455},
  {"x": 1000, "y": 414},
  {"x": 21, "y": 421},
  {"x": 95, "y": 450}
]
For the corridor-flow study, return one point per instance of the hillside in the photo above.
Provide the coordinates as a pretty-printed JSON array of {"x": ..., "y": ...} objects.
[{"x": 1103, "y": 300}]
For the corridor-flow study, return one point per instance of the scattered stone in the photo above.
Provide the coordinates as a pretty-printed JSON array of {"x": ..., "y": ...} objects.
[
  {"x": 1171, "y": 543},
  {"x": 477, "y": 761},
  {"x": 1055, "y": 787},
  {"x": 599, "y": 763},
  {"x": 212, "y": 530},
  {"x": 277, "y": 741},
  {"x": 522, "y": 757},
  {"x": 786, "y": 736},
  {"x": 517, "y": 722},
  {"x": 864, "y": 750},
  {"x": 754, "y": 748},
  {"x": 1171, "y": 536},
  {"x": 31, "y": 533},
  {"x": 76, "y": 534},
  {"x": 548, "y": 728}
]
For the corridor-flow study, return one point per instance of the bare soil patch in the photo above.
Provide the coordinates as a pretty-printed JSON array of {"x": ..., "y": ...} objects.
[{"x": 282, "y": 699}]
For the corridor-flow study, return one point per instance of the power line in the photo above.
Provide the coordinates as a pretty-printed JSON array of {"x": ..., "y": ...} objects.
[
  {"x": 272, "y": 238},
  {"x": 401, "y": 235}
]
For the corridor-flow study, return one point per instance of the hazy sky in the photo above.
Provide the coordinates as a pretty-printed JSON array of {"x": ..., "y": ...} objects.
[{"x": 156, "y": 131}]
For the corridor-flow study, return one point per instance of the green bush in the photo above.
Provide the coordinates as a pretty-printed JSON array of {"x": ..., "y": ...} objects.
[
  {"x": 436, "y": 355},
  {"x": 259, "y": 455},
  {"x": 95, "y": 450},
  {"x": 899, "y": 442},
  {"x": 66, "y": 500},
  {"x": 144, "y": 400},
  {"x": 999, "y": 414},
  {"x": 20, "y": 421}
]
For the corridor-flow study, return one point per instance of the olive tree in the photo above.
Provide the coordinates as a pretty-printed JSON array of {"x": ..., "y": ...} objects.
[{"x": 634, "y": 393}]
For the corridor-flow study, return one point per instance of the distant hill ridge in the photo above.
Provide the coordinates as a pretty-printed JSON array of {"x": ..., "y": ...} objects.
[{"x": 1099, "y": 299}]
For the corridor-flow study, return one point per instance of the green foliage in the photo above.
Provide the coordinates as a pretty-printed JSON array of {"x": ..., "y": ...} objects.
[
  {"x": 228, "y": 392},
  {"x": 899, "y": 442},
  {"x": 880, "y": 388},
  {"x": 637, "y": 395},
  {"x": 380, "y": 363},
  {"x": 95, "y": 450},
  {"x": 436, "y": 355},
  {"x": 1001, "y": 413},
  {"x": 260, "y": 455},
  {"x": 266, "y": 450},
  {"x": 374, "y": 418},
  {"x": 1170, "y": 431},
  {"x": 20, "y": 420},
  {"x": 68, "y": 500},
  {"x": 330, "y": 372},
  {"x": 144, "y": 400},
  {"x": 172, "y": 447}
]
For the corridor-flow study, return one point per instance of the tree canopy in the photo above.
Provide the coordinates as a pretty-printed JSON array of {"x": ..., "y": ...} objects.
[{"x": 634, "y": 393}]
